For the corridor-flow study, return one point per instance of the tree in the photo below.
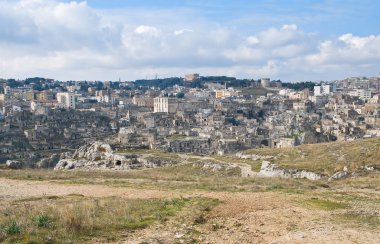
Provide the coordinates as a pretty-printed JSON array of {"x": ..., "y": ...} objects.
[
  {"x": 180, "y": 95},
  {"x": 37, "y": 87}
]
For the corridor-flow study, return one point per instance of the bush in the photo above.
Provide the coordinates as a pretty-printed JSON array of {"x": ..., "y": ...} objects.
[
  {"x": 12, "y": 228},
  {"x": 44, "y": 221}
]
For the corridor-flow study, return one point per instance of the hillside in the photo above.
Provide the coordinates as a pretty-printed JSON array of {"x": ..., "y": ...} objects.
[
  {"x": 199, "y": 200},
  {"x": 325, "y": 158}
]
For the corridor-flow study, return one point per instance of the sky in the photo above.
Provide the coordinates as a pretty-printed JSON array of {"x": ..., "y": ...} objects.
[{"x": 294, "y": 40}]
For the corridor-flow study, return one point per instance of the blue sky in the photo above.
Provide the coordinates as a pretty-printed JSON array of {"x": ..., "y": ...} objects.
[
  {"x": 328, "y": 17},
  {"x": 290, "y": 40}
]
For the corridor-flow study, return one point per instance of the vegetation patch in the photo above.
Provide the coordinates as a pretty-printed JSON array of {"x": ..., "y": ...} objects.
[
  {"x": 362, "y": 220},
  {"x": 80, "y": 219},
  {"x": 325, "y": 204},
  {"x": 325, "y": 158}
]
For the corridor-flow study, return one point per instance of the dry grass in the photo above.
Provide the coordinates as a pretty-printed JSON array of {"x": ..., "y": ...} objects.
[
  {"x": 348, "y": 208},
  {"x": 326, "y": 158},
  {"x": 255, "y": 165},
  {"x": 184, "y": 178},
  {"x": 79, "y": 219},
  {"x": 324, "y": 204},
  {"x": 151, "y": 152}
]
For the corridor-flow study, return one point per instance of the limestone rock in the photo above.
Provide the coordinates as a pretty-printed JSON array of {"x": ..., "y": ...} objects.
[
  {"x": 253, "y": 156},
  {"x": 272, "y": 170},
  {"x": 49, "y": 162},
  {"x": 339, "y": 175},
  {"x": 99, "y": 155},
  {"x": 65, "y": 164},
  {"x": 94, "y": 151},
  {"x": 14, "y": 164}
]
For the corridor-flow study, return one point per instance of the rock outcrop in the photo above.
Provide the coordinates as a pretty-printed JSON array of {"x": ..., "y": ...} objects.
[
  {"x": 99, "y": 155},
  {"x": 253, "y": 156},
  {"x": 215, "y": 167},
  {"x": 14, "y": 164},
  {"x": 272, "y": 170},
  {"x": 49, "y": 162},
  {"x": 340, "y": 175}
]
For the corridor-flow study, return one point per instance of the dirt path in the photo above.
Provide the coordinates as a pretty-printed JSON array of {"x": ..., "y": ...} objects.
[
  {"x": 246, "y": 169},
  {"x": 18, "y": 189},
  {"x": 243, "y": 217}
]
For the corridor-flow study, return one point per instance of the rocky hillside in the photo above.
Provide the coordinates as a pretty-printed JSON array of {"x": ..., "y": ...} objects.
[
  {"x": 327, "y": 160},
  {"x": 99, "y": 155}
]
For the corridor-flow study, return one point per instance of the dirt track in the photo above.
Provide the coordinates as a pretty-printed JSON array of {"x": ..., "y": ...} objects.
[{"x": 257, "y": 217}]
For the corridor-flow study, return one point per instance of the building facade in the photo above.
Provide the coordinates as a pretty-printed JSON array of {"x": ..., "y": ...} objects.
[
  {"x": 66, "y": 99},
  {"x": 165, "y": 105}
]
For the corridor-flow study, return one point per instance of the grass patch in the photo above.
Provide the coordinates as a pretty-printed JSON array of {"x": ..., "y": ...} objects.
[
  {"x": 31, "y": 199},
  {"x": 362, "y": 220},
  {"x": 44, "y": 221},
  {"x": 183, "y": 177},
  {"x": 255, "y": 165},
  {"x": 12, "y": 228},
  {"x": 325, "y": 204},
  {"x": 80, "y": 219}
]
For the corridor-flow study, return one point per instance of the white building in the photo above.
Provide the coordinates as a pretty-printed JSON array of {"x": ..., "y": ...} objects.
[
  {"x": 265, "y": 82},
  {"x": 364, "y": 94},
  {"x": 165, "y": 105},
  {"x": 284, "y": 92},
  {"x": 317, "y": 90},
  {"x": 2, "y": 100},
  {"x": 202, "y": 94},
  {"x": 8, "y": 91},
  {"x": 324, "y": 89},
  {"x": 66, "y": 99},
  {"x": 73, "y": 89}
]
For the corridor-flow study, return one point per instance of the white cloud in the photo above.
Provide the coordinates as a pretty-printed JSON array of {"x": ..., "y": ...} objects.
[
  {"x": 252, "y": 40},
  {"x": 74, "y": 41},
  {"x": 181, "y": 32},
  {"x": 292, "y": 27},
  {"x": 356, "y": 42},
  {"x": 147, "y": 30}
]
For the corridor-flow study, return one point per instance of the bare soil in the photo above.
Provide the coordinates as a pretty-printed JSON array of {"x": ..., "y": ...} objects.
[{"x": 242, "y": 217}]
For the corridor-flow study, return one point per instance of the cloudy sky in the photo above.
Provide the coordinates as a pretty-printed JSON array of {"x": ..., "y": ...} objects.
[{"x": 290, "y": 40}]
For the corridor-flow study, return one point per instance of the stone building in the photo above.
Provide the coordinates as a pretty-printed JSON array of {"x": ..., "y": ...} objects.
[{"x": 165, "y": 105}]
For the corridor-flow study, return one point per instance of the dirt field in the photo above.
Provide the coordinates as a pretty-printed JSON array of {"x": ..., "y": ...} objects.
[{"x": 241, "y": 217}]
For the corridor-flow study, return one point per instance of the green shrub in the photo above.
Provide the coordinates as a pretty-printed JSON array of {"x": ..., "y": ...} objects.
[
  {"x": 12, "y": 228},
  {"x": 44, "y": 221}
]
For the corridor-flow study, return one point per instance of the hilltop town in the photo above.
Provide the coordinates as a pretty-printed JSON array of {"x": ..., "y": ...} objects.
[{"x": 200, "y": 115}]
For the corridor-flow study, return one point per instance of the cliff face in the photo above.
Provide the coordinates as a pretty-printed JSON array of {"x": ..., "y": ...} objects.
[{"x": 99, "y": 155}]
